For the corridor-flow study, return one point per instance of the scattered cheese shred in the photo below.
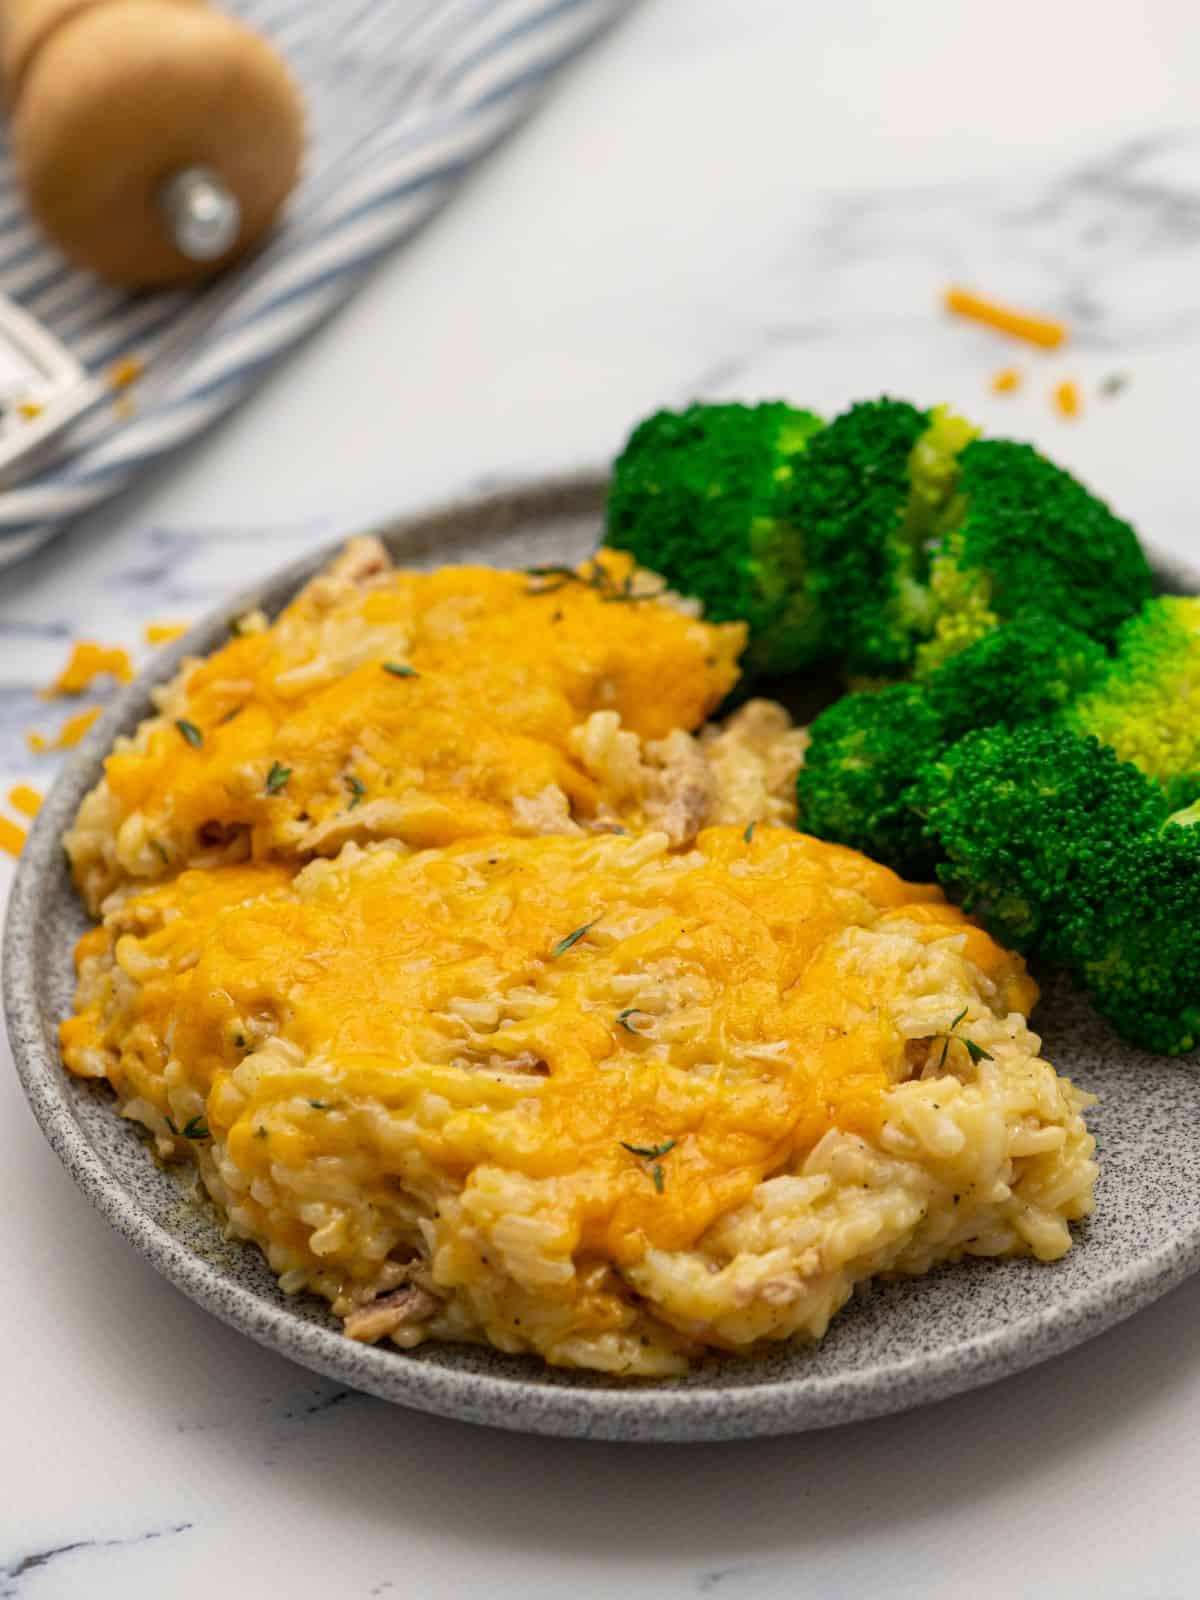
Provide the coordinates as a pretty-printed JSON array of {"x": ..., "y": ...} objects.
[
  {"x": 1068, "y": 401},
  {"x": 69, "y": 735},
  {"x": 163, "y": 632},
  {"x": 125, "y": 372},
  {"x": 11, "y": 837},
  {"x": 1007, "y": 380},
  {"x": 24, "y": 799},
  {"x": 1041, "y": 331},
  {"x": 28, "y": 410},
  {"x": 89, "y": 661}
]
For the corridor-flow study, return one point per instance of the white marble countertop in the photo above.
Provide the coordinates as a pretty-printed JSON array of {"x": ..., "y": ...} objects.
[{"x": 724, "y": 199}]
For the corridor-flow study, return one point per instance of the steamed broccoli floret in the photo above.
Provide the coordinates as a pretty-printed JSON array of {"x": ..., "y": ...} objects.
[
  {"x": 922, "y": 538},
  {"x": 1027, "y": 537},
  {"x": 1147, "y": 702},
  {"x": 866, "y": 751},
  {"x": 706, "y": 498},
  {"x": 890, "y": 539},
  {"x": 1018, "y": 672},
  {"x": 1021, "y": 816},
  {"x": 873, "y": 488},
  {"x": 1133, "y": 938}
]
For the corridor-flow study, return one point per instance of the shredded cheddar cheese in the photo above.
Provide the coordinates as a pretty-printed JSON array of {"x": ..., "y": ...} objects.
[
  {"x": 156, "y": 633},
  {"x": 125, "y": 372},
  {"x": 1007, "y": 380},
  {"x": 87, "y": 662},
  {"x": 68, "y": 736},
  {"x": 12, "y": 838},
  {"x": 24, "y": 799},
  {"x": 1040, "y": 331},
  {"x": 1068, "y": 401}
]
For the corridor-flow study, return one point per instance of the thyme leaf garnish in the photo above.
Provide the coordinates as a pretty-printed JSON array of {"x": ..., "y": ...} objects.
[
  {"x": 563, "y": 945},
  {"x": 357, "y": 790},
  {"x": 559, "y": 577},
  {"x": 976, "y": 1051},
  {"x": 650, "y": 1152},
  {"x": 400, "y": 669},
  {"x": 595, "y": 576},
  {"x": 196, "y": 1128},
  {"x": 190, "y": 732},
  {"x": 277, "y": 777}
]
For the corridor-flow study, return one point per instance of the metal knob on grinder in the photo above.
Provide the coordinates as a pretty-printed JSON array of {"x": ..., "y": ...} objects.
[{"x": 156, "y": 140}]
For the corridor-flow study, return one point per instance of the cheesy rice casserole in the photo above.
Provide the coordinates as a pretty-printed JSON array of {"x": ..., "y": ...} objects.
[{"x": 556, "y": 1036}]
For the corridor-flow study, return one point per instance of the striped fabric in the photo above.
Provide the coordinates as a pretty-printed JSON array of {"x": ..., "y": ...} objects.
[{"x": 404, "y": 96}]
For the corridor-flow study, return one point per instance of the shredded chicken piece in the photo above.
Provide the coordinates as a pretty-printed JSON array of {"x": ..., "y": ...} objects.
[
  {"x": 524, "y": 1061},
  {"x": 362, "y": 558},
  {"x": 683, "y": 788},
  {"x": 382, "y": 1317},
  {"x": 548, "y": 811}
]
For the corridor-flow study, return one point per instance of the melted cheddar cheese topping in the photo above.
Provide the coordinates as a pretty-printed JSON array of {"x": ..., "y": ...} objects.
[
  {"x": 437, "y": 1024},
  {"x": 395, "y": 704}
]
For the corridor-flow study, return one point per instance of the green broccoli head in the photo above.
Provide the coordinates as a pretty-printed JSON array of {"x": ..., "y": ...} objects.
[
  {"x": 922, "y": 539},
  {"x": 1027, "y": 537},
  {"x": 1147, "y": 702},
  {"x": 1132, "y": 936},
  {"x": 865, "y": 752},
  {"x": 705, "y": 497},
  {"x": 868, "y": 748},
  {"x": 1018, "y": 672},
  {"x": 1020, "y": 815},
  {"x": 891, "y": 539},
  {"x": 873, "y": 489}
]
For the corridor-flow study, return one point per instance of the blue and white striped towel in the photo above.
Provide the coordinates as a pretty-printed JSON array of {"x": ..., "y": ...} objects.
[{"x": 404, "y": 96}]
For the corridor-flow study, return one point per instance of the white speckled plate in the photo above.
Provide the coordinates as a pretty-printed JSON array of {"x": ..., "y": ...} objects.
[{"x": 895, "y": 1346}]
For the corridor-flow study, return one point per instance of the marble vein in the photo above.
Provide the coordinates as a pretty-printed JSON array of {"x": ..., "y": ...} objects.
[{"x": 14, "y": 1572}]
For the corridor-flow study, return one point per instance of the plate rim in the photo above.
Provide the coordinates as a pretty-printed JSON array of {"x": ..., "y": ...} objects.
[{"x": 630, "y": 1410}]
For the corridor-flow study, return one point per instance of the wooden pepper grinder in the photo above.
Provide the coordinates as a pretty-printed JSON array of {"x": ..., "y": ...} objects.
[{"x": 155, "y": 140}]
